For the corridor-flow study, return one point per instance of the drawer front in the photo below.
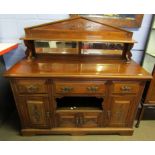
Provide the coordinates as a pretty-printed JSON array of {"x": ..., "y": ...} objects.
[
  {"x": 80, "y": 87},
  {"x": 126, "y": 87},
  {"x": 31, "y": 86}
]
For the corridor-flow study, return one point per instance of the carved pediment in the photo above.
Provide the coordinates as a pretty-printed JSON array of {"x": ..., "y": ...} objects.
[{"x": 77, "y": 29}]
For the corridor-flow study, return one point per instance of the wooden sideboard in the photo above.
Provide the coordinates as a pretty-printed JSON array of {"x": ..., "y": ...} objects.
[{"x": 71, "y": 90}]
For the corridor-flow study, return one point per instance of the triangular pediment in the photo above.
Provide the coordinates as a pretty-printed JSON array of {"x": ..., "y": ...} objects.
[
  {"x": 77, "y": 23},
  {"x": 72, "y": 27}
]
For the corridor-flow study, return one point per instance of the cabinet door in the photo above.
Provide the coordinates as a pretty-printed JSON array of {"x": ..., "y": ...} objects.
[
  {"x": 121, "y": 111},
  {"x": 91, "y": 119},
  {"x": 79, "y": 119},
  {"x": 64, "y": 119},
  {"x": 34, "y": 111}
]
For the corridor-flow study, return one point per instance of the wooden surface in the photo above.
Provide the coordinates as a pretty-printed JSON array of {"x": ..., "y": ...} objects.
[
  {"x": 117, "y": 69},
  {"x": 150, "y": 97},
  {"x": 38, "y": 84},
  {"x": 77, "y": 94},
  {"x": 78, "y": 29},
  {"x": 126, "y": 23}
]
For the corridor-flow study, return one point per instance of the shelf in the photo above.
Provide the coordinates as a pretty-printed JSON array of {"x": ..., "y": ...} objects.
[
  {"x": 79, "y": 103},
  {"x": 79, "y": 109},
  {"x": 56, "y": 50},
  {"x": 100, "y": 52}
]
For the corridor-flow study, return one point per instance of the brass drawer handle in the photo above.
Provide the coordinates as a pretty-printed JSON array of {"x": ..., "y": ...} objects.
[
  {"x": 92, "y": 88},
  {"x": 66, "y": 89},
  {"x": 125, "y": 88},
  {"x": 32, "y": 88}
]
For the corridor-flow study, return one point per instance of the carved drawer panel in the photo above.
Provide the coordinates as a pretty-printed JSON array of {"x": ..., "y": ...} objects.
[
  {"x": 31, "y": 86},
  {"x": 125, "y": 87},
  {"x": 80, "y": 87}
]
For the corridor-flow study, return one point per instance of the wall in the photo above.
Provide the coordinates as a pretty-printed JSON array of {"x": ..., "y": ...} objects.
[
  {"x": 151, "y": 47},
  {"x": 12, "y": 28}
]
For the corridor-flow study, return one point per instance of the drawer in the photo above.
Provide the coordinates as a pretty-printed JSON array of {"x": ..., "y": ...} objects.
[
  {"x": 80, "y": 87},
  {"x": 126, "y": 87},
  {"x": 31, "y": 86}
]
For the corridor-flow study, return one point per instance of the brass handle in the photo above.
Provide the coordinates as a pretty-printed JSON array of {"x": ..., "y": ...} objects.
[
  {"x": 92, "y": 88},
  {"x": 77, "y": 121},
  {"x": 81, "y": 120},
  {"x": 47, "y": 114},
  {"x": 32, "y": 88},
  {"x": 109, "y": 114},
  {"x": 67, "y": 89},
  {"x": 125, "y": 88}
]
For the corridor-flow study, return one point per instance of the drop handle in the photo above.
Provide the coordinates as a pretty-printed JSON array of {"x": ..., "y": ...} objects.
[
  {"x": 92, "y": 88},
  {"x": 81, "y": 120},
  {"x": 77, "y": 121},
  {"x": 67, "y": 89},
  {"x": 125, "y": 88},
  {"x": 109, "y": 114},
  {"x": 32, "y": 88},
  {"x": 48, "y": 114}
]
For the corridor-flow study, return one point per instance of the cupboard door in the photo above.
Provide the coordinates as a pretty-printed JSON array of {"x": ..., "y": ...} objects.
[
  {"x": 91, "y": 119},
  {"x": 64, "y": 119},
  {"x": 121, "y": 111},
  {"x": 35, "y": 111}
]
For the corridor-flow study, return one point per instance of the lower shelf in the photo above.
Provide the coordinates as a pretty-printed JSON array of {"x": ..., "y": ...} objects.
[{"x": 78, "y": 131}]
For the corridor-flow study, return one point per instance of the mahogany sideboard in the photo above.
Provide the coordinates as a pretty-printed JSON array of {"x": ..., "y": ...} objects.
[{"x": 83, "y": 82}]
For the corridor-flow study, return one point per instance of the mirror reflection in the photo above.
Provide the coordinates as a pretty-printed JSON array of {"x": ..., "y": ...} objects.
[
  {"x": 85, "y": 48},
  {"x": 56, "y": 47}
]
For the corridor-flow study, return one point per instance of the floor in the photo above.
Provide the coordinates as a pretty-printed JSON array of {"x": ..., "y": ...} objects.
[{"x": 9, "y": 131}]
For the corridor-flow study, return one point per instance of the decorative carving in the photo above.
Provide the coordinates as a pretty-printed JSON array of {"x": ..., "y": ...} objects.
[
  {"x": 30, "y": 51},
  {"x": 35, "y": 114},
  {"x": 127, "y": 52},
  {"x": 79, "y": 26}
]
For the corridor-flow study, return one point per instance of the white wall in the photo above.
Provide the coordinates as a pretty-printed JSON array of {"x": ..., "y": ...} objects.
[
  {"x": 140, "y": 35},
  {"x": 12, "y": 28}
]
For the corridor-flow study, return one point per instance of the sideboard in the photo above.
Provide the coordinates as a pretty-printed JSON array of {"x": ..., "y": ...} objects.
[{"x": 77, "y": 78}]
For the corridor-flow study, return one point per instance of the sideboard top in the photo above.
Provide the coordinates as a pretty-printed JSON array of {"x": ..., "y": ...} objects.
[
  {"x": 78, "y": 29},
  {"x": 109, "y": 69}
]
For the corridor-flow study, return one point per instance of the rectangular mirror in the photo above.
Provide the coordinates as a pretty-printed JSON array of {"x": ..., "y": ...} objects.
[
  {"x": 102, "y": 48},
  {"x": 56, "y": 47}
]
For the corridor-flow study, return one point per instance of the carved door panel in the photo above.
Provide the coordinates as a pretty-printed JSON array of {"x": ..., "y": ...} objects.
[
  {"x": 91, "y": 119},
  {"x": 79, "y": 119},
  {"x": 121, "y": 111},
  {"x": 64, "y": 119},
  {"x": 35, "y": 111}
]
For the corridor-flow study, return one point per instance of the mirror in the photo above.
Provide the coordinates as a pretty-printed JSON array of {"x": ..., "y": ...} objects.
[
  {"x": 102, "y": 48},
  {"x": 56, "y": 47},
  {"x": 87, "y": 48}
]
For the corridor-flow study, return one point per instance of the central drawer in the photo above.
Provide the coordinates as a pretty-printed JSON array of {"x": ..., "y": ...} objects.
[{"x": 79, "y": 87}]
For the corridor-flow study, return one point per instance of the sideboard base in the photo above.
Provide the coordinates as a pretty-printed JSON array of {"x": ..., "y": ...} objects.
[{"x": 74, "y": 131}]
